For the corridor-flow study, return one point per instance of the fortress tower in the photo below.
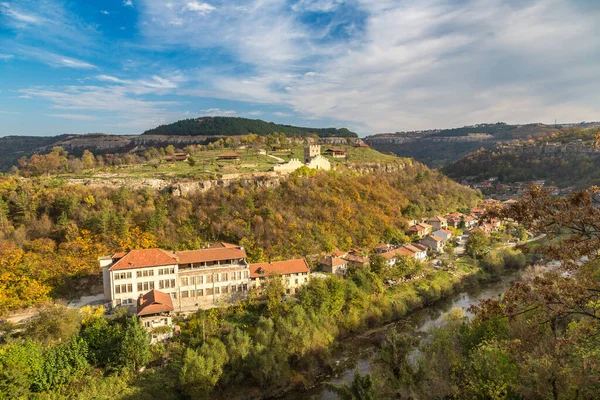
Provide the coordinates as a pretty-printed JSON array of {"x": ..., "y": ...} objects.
[{"x": 311, "y": 151}]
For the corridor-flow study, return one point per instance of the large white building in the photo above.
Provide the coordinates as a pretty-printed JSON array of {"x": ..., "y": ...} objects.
[{"x": 194, "y": 278}]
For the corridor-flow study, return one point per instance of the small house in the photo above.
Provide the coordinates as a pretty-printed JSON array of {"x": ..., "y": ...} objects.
[
  {"x": 294, "y": 273},
  {"x": 434, "y": 242},
  {"x": 437, "y": 222},
  {"x": 420, "y": 230},
  {"x": 228, "y": 155},
  {"x": 335, "y": 152},
  {"x": 154, "y": 309}
]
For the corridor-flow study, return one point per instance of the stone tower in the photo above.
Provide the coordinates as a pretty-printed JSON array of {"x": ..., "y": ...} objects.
[{"x": 310, "y": 152}]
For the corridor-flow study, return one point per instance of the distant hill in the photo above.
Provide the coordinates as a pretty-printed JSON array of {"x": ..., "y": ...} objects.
[
  {"x": 232, "y": 126},
  {"x": 569, "y": 157},
  {"x": 440, "y": 147}
]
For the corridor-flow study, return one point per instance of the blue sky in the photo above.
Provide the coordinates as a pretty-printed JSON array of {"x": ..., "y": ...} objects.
[{"x": 123, "y": 66}]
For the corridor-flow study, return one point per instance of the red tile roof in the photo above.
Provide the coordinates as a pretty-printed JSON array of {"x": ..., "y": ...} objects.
[
  {"x": 154, "y": 302},
  {"x": 144, "y": 258},
  {"x": 446, "y": 231},
  {"x": 414, "y": 248},
  {"x": 338, "y": 253},
  {"x": 279, "y": 267},
  {"x": 402, "y": 251},
  {"x": 337, "y": 261},
  {"x": 210, "y": 254}
]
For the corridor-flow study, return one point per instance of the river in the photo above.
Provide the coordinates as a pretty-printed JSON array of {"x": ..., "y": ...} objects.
[{"x": 358, "y": 351}]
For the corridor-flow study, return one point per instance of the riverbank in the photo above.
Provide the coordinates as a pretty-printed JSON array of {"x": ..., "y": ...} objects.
[
  {"x": 393, "y": 304},
  {"x": 357, "y": 352}
]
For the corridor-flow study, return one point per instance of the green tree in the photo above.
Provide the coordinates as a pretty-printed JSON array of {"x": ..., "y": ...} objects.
[
  {"x": 202, "y": 369},
  {"x": 134, "y": 350},
  {"x": 477, "y": 244}
]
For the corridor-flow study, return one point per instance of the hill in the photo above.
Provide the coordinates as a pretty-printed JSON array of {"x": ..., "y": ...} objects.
[
  {"x": 233, "y": 126},
  {"x": 568, "y": 158},
  {"x": 440, "y": 147}
]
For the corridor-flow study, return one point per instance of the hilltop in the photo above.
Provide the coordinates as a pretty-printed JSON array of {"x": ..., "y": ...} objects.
[
  {"x": 567, "y": 158},
  {"x": 233, "y": 126},
  {"x": 439, "y": 147},
  {"x": 202, "y": 130}
]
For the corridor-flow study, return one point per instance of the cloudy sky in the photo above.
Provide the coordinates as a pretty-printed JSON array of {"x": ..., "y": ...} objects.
[{"x": 123, "y": 66}]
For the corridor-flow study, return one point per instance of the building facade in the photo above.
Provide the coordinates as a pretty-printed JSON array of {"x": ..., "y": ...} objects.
[
  {"x": 294, "y": 273},
  {"x": 194, "y": 279}
]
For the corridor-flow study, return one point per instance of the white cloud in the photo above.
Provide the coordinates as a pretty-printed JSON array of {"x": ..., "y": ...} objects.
[
  {"x": 121, "y": 100},
  {"x": 282, "y": 114},
  {"x": 202, "y": 8},
  {"x": 76, "y": 117},
  {"x": 73, "y": 63},
  {"x": 18, "y": 15},
  {"x": 6, "y": 56},
  {"x": 104, "y": 12},
  {"x": 411, "y": 65},
  {"x": 127, "y": 3},
  {"x": 217, "y": 112}
]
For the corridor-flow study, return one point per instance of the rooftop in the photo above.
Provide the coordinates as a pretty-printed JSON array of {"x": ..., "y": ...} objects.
[
  {"x": 144, "y": 258},
  {"x": 154, "y": 302}
]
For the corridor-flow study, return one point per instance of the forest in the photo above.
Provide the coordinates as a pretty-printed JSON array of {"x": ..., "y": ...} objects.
[
  {"x": 562, "y": 171},
  {"x": 234, "y": 126}
]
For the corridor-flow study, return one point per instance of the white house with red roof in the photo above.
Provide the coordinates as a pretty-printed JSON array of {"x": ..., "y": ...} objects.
[
  {"x": 154, "y": 309},
  {"x": 294, "y": 273},
  {"x": 194, "y": 278}
]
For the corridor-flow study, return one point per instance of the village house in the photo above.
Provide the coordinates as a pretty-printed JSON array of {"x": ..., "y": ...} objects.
[
  {"x": 335, "y": 152},
  {"x": 445, "y": 234},
  {"x": 356, "y": 259},
  {"x": 419, "y": 251},
  {"x": 437, "y": 222},
  {"x": 334, "y": 265},
  {"x": 420, "y": 230},
  {"x": 470, "y": 221},
  {"x": 154, "y": 310},
  {"x": 228, "y": 155},
  {"x": 294, "y": 273},
  {"x": 393, "y": 255},
  {"x": 434, "y": 242},
  {"x": 193, "y": 279},
  {"x": 454, "y": 219},
  {"x": 177, "y": 157}
]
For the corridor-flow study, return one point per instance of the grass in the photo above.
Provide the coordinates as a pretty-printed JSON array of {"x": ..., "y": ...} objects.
[{"x": 207, "y": 165}]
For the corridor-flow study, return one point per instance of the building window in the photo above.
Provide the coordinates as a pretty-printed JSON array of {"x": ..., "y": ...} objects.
[
  {"x": 174, "y": 295},
  {"x": 217, "y": 290},
  {"x": 218, "y": 277},
  {"x": 209, "y": 292},
  {"x": 209, "y": 279},
  {"x": 185, "y": 294},
  {"x": 233, "y": 287},
  {"x": 118, "y": 289},
  {"x": 185, "y": 281},
  {"x": 199, "y": 293},
  {"x": 225, "y": 289},
  {"x": 173, "y": 283},
  {"x": 129, "y": 288},
  {"x": 239, "y": 275},
  {"x": 225, "y": 276},
  {"x": 151, "y": 285},
  {"x": 245, "y": 274},
  {"x": 296, "y": 281},
  {"x": 139, "y": 287}
]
